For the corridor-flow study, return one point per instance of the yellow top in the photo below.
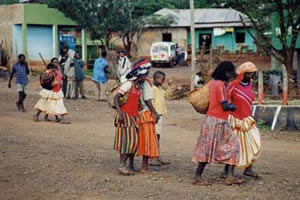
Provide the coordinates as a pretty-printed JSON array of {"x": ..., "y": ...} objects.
[{"x": 159, "y": 101}]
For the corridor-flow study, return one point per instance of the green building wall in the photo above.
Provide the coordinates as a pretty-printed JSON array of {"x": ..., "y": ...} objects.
[{"x": 227, "y": 40}]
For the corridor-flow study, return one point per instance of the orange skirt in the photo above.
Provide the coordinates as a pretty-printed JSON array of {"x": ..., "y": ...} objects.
[{"x": 148, "y": 142}]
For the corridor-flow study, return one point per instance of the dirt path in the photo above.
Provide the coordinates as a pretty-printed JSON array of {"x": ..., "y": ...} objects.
[{"x": 51, "y": 161}]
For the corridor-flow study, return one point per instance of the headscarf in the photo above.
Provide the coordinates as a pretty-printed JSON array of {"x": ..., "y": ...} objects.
[
  {"x": 140, "y": 68},
  {"x": 242, "y": 69}
]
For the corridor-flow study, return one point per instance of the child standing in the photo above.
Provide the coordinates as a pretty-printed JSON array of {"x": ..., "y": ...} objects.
[
  {"x": 51, "y": 102},
  {"x": 21, "y": 70},
  {"x": 148, "y": 143},
  {"x": 159, "y": 104}
]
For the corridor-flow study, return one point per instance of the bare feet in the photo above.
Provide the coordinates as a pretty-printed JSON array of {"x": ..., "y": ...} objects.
[
  {"x": 145, "y": 171},
  {"x": 46, "y": 118},
  {"x": 18, "y": 106},
  {"x": 35, "y": 118},
  {"x": 200, "y": 181},
  {"x": 251, "y": 173},
  {"x": 233, "y": 181},
  {"x": 124, "y": 171}
]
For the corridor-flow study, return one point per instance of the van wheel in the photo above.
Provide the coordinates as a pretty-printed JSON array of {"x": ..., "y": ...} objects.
[{"x": 153, "y": 64}]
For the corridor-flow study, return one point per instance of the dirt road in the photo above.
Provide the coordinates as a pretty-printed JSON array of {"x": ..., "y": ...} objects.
[{"x": 52, "y": 161}]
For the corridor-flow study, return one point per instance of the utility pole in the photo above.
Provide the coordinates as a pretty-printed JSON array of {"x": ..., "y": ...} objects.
[{"x": 193, "y": 62}]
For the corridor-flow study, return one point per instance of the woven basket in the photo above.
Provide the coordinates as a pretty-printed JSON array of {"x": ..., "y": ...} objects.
[
  {"x": 112, "y": 94},
  {"x": 199, "y": 98}
]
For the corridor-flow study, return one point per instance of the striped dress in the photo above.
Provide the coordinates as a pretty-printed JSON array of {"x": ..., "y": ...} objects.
[
  {"x": 242, "y": 123},
  {"x": 126, "y": 136}
]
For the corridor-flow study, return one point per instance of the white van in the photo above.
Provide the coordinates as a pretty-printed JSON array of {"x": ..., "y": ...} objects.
[{"x": 163, "y": 53}]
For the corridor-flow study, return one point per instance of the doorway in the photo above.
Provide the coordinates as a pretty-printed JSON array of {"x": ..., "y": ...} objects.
[{"x": 205, "y": 42}]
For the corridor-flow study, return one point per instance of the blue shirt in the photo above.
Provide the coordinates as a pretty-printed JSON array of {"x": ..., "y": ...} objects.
[
  {"x": 79, "y": 73},
  {"x": 21, "y": 73},
  {"x": 99, "y": 74}
]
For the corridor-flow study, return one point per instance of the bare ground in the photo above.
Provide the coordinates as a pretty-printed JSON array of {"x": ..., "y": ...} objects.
[{"x": 52, "y": 161}]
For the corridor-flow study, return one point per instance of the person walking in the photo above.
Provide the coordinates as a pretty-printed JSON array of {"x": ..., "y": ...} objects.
[
  {"x": 216, "y": 143},
  {"x": 100, "y": 77},
  {"x": 240, "y": 93},
  {"x": 21, "y": 70},
  {"x": 51, "y": 102},
  {"x": 79, "y": 76}
]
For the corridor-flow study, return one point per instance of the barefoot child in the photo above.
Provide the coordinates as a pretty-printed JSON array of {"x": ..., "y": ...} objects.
[
  {"x": 51, "y": 102},
  {"x": 159, "y": 104},
  {"x": 148, "y": 143},
  {"x": 21, "y": 70},
  {"x": 126, "y": 123}
]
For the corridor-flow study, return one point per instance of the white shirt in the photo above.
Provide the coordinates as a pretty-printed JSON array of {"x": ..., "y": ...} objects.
[{"x": 124, "y": 68}]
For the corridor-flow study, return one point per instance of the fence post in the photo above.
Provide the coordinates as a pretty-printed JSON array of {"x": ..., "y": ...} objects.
[
  {"x": 260, "y": 87},
  {"x": 285, "y": 84}
]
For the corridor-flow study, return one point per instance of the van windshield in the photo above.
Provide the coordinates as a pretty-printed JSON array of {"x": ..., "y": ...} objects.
[{"x": 159, "y": 48}]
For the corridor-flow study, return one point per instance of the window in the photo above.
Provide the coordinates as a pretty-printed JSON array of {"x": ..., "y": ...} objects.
[
  {"x": 240, "y": 37},
  {"x": 167, "y": 37}
]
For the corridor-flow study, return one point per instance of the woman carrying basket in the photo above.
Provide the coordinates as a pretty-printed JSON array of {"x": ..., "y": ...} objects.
[{"x": 216, "y": 143}]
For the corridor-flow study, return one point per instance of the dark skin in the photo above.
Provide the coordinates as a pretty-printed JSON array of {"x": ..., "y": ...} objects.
[
  {"x": 248, "y": 76},
  {"x": 230, "y": 168},
  {"x": 125, "y": 157},
  {"x": 22, "y": 95}
]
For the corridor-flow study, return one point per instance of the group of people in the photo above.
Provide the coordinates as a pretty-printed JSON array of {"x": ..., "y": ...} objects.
[
  {"x": 228, "y": 133},
  {"x": 138, "y": 120},
  {"x": 65, "y": 75}
]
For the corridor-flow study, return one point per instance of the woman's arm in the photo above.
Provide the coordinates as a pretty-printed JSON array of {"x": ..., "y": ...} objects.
[{"x": 116, "y": 102}]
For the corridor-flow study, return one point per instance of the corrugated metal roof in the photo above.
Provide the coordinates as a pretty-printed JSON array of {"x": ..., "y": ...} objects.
[{"x": 205, "y": 18}]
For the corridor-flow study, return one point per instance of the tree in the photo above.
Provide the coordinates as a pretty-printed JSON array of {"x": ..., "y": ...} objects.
[
  {"x": 265, "y": 15},
  {"x": 7, "y": 2}
]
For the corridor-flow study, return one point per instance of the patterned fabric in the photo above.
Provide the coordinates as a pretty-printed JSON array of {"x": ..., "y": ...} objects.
[
  {"x": 148, "y": 142},
  {"x": 51, "y": 103},
  {"x": 249, "y": 137},
  {"x": 126, "y": 136},
  {"x": 22, "y": 72},
  {"x": 216, "y": 143}
]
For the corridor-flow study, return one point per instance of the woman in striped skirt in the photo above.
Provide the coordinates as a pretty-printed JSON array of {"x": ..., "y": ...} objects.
[
  {"x": 126, "y": 121},
  {"x": 242, "y": 123}
]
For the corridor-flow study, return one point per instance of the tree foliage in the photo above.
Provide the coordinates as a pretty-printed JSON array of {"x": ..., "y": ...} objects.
[{"x": 283, "y": 14}]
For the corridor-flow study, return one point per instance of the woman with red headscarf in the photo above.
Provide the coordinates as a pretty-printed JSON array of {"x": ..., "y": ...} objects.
[{"x": 240, "y": 92}]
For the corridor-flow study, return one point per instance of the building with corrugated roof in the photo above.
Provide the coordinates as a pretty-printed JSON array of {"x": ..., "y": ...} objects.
[{"x": 214, "y": 27}]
